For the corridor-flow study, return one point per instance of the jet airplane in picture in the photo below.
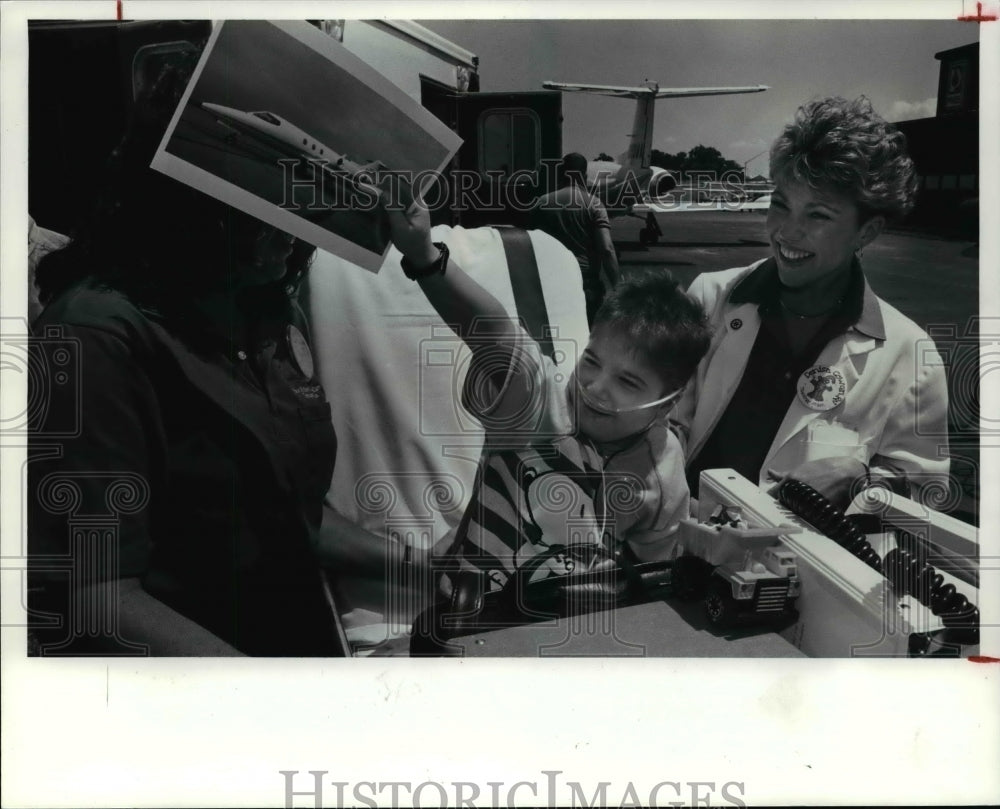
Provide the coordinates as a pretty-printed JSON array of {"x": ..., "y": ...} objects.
[
  {"x": 272, "y": 130},
  {"x": 631, "y": 186}
]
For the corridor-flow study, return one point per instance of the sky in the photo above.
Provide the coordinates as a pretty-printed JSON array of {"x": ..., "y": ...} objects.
[{"x": 892, "y": 62}]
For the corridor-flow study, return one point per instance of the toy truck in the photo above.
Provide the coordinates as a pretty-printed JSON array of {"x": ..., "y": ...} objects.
[{"x": 742, "y": 574}]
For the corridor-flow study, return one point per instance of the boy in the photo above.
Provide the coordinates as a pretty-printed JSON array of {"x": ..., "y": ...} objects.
[{"x": 575, "y": 456}]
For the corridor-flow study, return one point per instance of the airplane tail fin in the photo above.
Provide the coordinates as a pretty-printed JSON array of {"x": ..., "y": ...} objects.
[{"x": 640, "y": 143}]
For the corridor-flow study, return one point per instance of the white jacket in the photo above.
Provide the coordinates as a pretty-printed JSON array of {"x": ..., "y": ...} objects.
[{"x": 895, "y": 394}]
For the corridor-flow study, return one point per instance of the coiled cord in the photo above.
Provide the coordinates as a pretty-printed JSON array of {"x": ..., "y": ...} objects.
[
  {"x": 815, "y": 509},
  {"x": 912, "y": 575},
  {"x": 903, "y": 566}
]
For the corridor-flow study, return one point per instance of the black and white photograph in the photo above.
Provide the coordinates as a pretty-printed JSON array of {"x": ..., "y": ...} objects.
[
  {"x": 577, "y": 407},
  {"x": 284, "y": 123}
]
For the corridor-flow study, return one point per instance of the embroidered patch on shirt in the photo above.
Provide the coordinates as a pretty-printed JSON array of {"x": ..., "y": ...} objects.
[{"x": 308, "y": 391}]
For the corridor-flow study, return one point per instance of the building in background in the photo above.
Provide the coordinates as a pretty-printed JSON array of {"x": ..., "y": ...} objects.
[{"x": 945, "y": 149}]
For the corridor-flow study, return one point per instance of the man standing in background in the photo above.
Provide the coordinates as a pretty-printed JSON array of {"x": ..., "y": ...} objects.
[{"x": 578, "y": 219}]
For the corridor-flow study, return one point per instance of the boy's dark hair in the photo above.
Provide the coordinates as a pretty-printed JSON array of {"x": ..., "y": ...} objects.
[{"x": 665, "y": 324}]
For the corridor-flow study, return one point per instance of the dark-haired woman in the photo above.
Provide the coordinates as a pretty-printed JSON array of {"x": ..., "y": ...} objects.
[
  {"x": 810, "y": 374},
  {"x": 183, "y": 446}
]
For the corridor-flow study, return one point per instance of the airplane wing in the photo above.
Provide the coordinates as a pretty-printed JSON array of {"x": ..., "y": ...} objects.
[
  {"x": 678, "y": 206},
  {"x": 652, "y": 89},
  {"x": 640, "y": 209}
]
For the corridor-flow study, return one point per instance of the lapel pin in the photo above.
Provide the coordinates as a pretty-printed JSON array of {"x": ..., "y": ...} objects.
[{"x": 821, "y": 388}]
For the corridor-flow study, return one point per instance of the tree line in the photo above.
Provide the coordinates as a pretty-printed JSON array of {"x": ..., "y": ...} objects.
[{"x": 699, "y": 159}]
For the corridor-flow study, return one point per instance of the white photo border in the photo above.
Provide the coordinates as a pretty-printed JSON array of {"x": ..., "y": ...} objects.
[{"x": 156, "y": 732}]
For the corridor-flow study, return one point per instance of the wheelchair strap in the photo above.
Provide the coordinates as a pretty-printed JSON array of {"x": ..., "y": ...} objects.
[{"x": 527, "y": 286}]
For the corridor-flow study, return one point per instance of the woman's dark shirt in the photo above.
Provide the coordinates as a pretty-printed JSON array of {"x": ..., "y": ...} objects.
[
  {"x": 743, "y": 436},
  {"x": 207, "y": 465}
]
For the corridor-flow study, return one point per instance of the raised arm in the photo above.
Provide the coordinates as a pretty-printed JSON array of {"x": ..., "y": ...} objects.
[
  {"x": 462, "y": 303},
  {"x": 504, "y": 387}
]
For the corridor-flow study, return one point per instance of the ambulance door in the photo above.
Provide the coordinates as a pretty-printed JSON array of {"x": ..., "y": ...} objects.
[{"x": 510, "y": 141}]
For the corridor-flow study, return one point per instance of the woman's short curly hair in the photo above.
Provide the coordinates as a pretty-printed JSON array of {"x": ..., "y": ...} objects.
[{"x": 846, "y": 146}]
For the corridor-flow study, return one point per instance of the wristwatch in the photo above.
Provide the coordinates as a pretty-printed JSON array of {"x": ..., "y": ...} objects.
[{"x": 434, "y": 268}]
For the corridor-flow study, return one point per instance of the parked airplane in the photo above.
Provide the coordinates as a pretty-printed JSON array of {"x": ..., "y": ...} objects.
[
  {"x": 632, "y": 187},
  {"x": 699, "y": 195},
  {"x": 286, "y": 137}
]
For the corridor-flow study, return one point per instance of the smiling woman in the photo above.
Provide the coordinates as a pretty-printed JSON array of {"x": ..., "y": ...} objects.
[
  {"x": 814, "y": 235},
  {"x": 802, "y": 345}
]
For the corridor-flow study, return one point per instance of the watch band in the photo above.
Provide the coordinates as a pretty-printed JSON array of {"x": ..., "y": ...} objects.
[{"x": 434, "y": 268}]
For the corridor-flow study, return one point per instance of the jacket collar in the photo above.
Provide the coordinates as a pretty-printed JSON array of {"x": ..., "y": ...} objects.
[
  {"x": 762, "y": 286},
  {"x": 870, "y": 321}
]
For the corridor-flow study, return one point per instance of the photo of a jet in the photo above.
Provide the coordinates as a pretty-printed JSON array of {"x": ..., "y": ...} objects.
[
  {"x": 272, "y": 130},
  {"x": 631, "y": 186}
]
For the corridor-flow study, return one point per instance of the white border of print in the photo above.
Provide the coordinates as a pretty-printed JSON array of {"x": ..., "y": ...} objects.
[
  {"x": 240, "y": 198},
  {"x": 216, "y": 732}
]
